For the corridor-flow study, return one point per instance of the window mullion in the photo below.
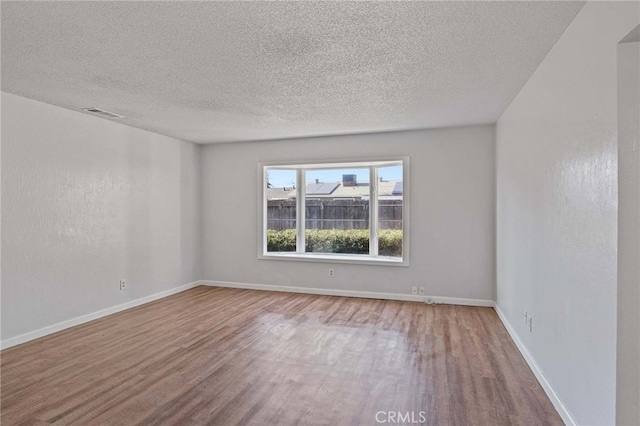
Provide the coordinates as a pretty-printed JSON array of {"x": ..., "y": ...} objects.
[
  {"x": 373, "y": 211},
  {"x": 265, "y": 210},
  {"x": 300, "y": 210}
]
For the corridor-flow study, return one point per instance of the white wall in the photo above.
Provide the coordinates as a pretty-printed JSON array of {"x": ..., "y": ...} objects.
[
  {"x": 557, "y": 211},
  {"x": 628, "y": 348},
  {"x": 87, "y": 202},
  {"x": 452, "y": 213}
]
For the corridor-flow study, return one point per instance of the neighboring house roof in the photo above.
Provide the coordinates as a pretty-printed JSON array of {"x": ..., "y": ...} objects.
[
  {"x": 321, "y": 188},
  {"x": 386, "y": 189},
  {"x": 279, "y": 193}
]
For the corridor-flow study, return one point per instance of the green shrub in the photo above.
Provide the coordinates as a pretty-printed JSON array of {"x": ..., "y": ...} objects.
[
  {"x": 284, "y": 240},
  {"x": 354, "y": 241},
  {"x": 390, "y": 242}
]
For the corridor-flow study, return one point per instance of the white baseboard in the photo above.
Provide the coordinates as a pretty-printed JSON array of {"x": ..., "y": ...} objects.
[
  {"x": 351, "y": 293},
  {"x": 537, "y": 371},
  {"x": 23, "y": 338}
]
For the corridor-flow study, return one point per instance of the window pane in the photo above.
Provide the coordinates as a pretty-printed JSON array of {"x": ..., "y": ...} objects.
[
  {"x": 337, "y": 211},
  {"x": 390, "y": 199},
  {"x": 281, "y": 210}
]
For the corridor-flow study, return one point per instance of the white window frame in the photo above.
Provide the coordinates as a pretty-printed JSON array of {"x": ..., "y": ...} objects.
[{"x": 301, "y": 167}]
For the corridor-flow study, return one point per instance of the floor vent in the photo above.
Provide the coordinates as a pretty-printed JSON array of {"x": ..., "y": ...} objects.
[{"x": 102, "y": 113}]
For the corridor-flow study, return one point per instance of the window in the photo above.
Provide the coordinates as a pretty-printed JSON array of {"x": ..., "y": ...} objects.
[{"x": 354, "y": 212}]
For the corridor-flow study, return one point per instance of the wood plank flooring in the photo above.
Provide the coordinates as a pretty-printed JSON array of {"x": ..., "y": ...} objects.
[{"x": 227, "y": 356}]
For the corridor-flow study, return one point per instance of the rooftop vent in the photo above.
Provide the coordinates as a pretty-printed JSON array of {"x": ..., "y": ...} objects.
[{"x": 102, "y": 113}]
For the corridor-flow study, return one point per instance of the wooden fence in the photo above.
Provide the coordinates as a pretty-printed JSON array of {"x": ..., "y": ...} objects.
[{"x": 334, "y": 214}]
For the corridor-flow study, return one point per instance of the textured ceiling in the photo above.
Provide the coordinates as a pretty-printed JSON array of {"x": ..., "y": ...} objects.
[{"x": 233, "y": 71}]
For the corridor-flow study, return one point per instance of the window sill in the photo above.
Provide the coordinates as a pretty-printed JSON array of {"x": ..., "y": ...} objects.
[{"x": 336, "y": 258}]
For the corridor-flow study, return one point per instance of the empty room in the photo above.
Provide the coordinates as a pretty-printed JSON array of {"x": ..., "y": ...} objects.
[{"x": 320, "y": 213}]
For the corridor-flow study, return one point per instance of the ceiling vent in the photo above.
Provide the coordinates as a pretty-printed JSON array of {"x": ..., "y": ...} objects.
[{"x": 102, "y": 113}]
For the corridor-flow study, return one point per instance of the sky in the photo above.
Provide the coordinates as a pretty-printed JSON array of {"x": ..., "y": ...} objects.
[{"x": 287, "y": 178}]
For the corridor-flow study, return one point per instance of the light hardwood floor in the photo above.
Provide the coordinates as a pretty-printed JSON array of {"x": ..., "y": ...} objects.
[{"x": 229, "y": 356}]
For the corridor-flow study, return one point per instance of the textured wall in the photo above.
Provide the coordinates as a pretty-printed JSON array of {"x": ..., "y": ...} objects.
[
  {"x": 628, "y": 367},
  {"x": 557, "y": 211},
  {"x": 87, "y": 202},
  {"x": 452, "y": 213}
]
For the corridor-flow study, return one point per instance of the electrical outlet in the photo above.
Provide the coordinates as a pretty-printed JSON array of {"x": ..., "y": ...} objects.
[
  {"x": 530, "y": 324},
  {"x": 421, "y": 291},
  {"x": 331, "y": 272},
  {"x": 414, "y": 290},
  {"x": 123, "y": 284}
]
